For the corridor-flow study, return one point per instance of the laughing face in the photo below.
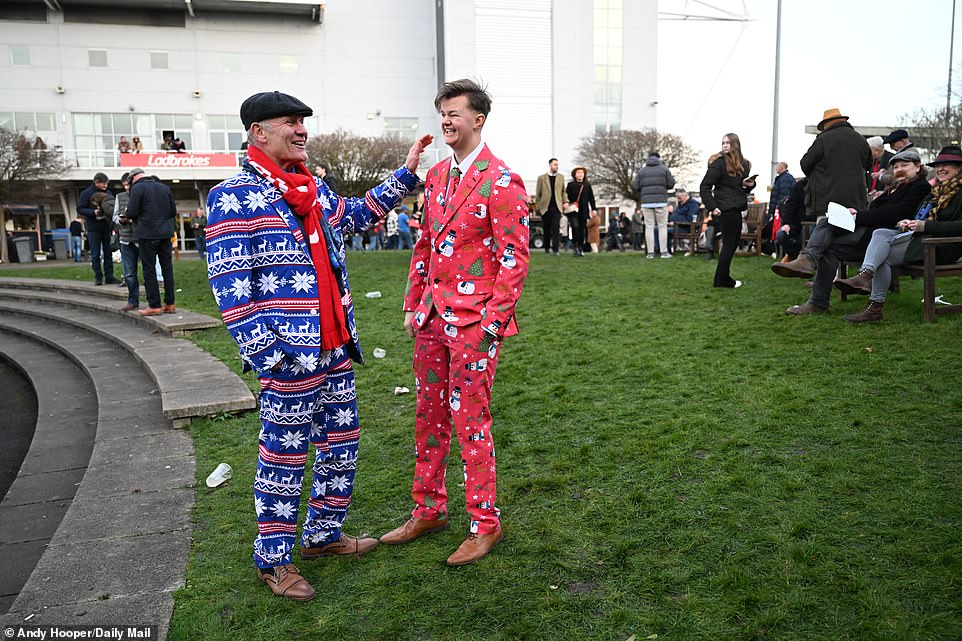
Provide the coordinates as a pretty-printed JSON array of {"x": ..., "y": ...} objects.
[
  {"x": 460, "y": 125},
  {"x": 284, "y": 140}
]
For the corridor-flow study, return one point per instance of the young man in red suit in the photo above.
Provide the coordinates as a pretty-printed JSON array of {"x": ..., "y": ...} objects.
[{"x": 467, "y": 272}]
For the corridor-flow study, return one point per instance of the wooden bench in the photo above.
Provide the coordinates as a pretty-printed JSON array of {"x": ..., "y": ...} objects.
[
  {"x": 690, "y": 235},
  {"x": 928, "y": 271},
  {"x": 755, "y": 222}
]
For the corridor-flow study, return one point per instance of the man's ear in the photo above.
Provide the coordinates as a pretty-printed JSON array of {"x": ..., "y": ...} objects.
[
  {"x": 258, "y": 132},
  {"x": 479, "y": 120}
]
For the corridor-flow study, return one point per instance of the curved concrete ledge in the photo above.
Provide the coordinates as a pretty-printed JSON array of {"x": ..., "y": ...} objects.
[
  {"x": 176, "y": 324},
  {"x": 55, "y": 461},
  {"x": 122, "y": 546},
  {"x": 191, "y": 381}
]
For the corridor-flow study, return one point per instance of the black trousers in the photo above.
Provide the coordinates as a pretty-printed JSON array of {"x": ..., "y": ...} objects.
[
  {"x": 152, "y": 249},
  {"x": 577, "y": 231},
  {"x": 730, "y": 224},
  {"x": 549, "y": 221}
]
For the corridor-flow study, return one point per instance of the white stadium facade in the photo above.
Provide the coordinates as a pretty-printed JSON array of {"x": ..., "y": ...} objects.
[{"x": 82, "y": 73}]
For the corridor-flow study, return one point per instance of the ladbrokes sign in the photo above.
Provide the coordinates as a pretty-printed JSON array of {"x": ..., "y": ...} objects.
[{"x": 188, "y": 160}]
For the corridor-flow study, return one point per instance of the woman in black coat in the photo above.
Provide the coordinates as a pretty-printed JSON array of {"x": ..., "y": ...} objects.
[
  {"x": 724, "y": 192},
  {"x": 578, "y": 191}
]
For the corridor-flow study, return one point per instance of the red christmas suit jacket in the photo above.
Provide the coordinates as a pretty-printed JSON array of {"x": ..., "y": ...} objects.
[{"x": 471, "y": 260}]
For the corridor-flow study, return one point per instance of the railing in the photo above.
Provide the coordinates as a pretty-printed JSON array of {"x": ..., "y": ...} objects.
[{"x": 103, "y": 158}]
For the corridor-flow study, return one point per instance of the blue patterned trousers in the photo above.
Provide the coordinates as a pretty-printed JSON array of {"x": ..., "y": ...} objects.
[{"x": 297, "y": 409}]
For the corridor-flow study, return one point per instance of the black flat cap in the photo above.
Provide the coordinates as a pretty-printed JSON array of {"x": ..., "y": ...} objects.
[
  {"x": 271, "y": 104},
  {"x": 895, "y": 136}
]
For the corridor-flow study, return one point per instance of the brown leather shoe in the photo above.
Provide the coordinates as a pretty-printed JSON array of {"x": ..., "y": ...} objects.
[
  {"x": 801, "y": 267},
  {"x": 804, "y": 310},
  {"x": 475, "y": 547},
  {"x": 286, "y": 581},
  {"x": 860, "y": 283},
  {"x": 128, "y": 307},
  {"x": 151, "y": 311},
  {"x": 412, "y": 529},
  {"x": 344, "y": 546},
  {"x": 870, "y": 314},
  {"x": 169, "y": 309}
]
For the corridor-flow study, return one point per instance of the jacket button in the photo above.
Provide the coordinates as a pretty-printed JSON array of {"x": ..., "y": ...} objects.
[{"x": 313, "y": 312}]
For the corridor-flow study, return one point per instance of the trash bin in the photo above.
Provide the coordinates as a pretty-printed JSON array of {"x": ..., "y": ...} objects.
[
  {"x": 24, "y": 249},
  {"x": 60, "y": 241}
]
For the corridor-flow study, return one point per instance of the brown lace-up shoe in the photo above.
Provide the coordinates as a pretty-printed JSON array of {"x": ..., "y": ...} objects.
[
  {"x": 475, "y": 547},
  {"x": 801, "y": 267},
  {"x": 860, "y": 283},
  {"x": 804, "y": 309},
  {"x": 344, "y": 546},
  {"x": 169, "y": 309},
  {"x": 870, "y": 314},
  {"x": 286, "y": 581},
  {"x": 412, "y": 529}
]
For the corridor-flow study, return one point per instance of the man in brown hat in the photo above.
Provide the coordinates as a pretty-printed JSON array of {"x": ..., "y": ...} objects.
[{"x": 835, "y": 165}]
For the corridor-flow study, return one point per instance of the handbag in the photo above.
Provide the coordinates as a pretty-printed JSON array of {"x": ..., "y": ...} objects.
[
  {"x": 702, "y": 241},
  {"x": 572, "y": 207}
]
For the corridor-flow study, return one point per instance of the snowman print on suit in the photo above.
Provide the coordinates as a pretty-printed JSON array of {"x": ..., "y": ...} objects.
[
  {"x": 448, "y": 315},
  {"x": 466, "y": 287},
  {"x": 508, "y": 259},
  {"x": 446, "y": 248}
]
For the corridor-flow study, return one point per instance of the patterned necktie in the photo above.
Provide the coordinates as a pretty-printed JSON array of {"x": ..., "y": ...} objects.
[{"x": 455, "y": 180}]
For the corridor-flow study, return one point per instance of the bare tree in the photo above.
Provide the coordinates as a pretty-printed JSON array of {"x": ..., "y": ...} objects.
[
  {"x": 358, "y": 162},
  {"x": 26, "y": 169},
  {"x": 934, "y": 128},
  {"x": 613, "y": 159}
]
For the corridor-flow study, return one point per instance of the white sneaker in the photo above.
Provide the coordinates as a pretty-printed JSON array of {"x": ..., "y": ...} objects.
[
  {"x": 738, "y": 284},
  {"x": 651, "y": 256},
  {"x": 666, "y": 255}
]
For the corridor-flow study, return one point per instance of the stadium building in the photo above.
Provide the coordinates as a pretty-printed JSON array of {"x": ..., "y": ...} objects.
[{"x": 80, "y": 74}]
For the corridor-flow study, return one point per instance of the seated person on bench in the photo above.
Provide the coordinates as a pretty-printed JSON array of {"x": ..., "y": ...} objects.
[{"x": 939, "y": 215}]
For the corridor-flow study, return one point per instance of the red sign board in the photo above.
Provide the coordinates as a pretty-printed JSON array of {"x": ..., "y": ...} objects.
[{"x": 172, "y": 160}]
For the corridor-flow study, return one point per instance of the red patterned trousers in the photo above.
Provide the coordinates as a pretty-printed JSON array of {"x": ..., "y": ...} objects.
[{"x": 454, "y": 370}]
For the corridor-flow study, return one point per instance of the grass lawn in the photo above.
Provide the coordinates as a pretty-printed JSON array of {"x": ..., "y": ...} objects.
[{"x": 675, "y": 462}]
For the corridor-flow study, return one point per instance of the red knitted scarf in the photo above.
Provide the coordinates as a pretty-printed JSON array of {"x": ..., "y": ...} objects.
[{"x": 300, "y": 192}]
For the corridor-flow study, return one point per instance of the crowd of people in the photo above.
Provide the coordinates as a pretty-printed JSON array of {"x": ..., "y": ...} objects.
[{"x": 884, "y": 203}]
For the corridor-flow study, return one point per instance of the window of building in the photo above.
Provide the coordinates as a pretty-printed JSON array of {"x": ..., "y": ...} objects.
[
  {"x": 158, "y": 60},
  {"x": 401, "y": 128},
  {"x": 226, "y": 132},
  {"x": 170, "y": 126},
  {"x": 608, "y": 56},
  {"x": 19, "y": 55},
  {"x": 232, "y": 62},
  {"x": 287, "y": 64},
  {"x": 29, "y": 121},
  {"x": 97, "y": 57}
]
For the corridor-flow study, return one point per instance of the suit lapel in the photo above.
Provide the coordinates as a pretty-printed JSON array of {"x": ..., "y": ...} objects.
[{"x": 469, "y": 182}]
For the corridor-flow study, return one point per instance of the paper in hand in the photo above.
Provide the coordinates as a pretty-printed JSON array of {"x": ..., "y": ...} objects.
[{"x": 840, "y": 216}]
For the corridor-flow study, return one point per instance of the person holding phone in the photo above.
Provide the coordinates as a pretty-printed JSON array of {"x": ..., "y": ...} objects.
[{"x": 724, "y": 191}]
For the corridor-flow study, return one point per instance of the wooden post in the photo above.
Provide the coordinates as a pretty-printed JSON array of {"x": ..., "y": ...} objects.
[{"x": 3, "y": 236}]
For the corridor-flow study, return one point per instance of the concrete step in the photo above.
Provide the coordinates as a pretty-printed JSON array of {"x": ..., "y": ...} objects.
[
  {"x": 110, "y": 292},
  {"x": 190, "y": 382},
  {"x": 55, "y": 462},
  {"x": 136, "y": 494},
  {"x": 176, "y": 324}
]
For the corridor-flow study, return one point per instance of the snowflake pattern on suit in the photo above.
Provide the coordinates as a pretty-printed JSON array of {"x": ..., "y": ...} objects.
[{"x": 265, "y": 285}]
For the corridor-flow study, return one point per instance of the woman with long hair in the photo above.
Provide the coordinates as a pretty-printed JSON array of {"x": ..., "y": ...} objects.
[{"x": 724, "y": 192}]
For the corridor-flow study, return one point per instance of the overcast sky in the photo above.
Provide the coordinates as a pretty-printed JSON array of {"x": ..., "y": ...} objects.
[{"x": 876, "y": 61}]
